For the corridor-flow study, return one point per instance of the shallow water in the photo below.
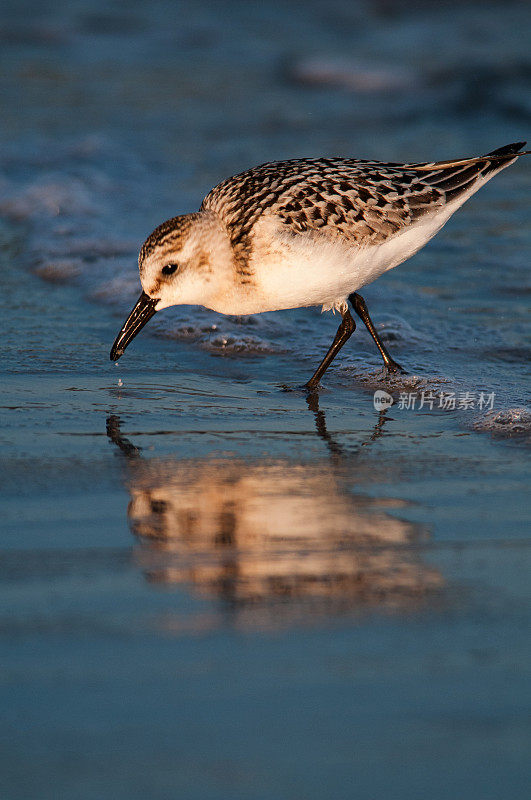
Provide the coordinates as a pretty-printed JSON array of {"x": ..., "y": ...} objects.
[{"x": 211, "y": 585}]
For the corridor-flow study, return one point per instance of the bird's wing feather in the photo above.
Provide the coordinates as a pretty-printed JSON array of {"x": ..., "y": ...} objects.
[{"x": 365, "y": 202}]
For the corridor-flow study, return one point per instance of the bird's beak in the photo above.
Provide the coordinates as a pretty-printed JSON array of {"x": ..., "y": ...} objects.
[{"x": 141, "y": 313}]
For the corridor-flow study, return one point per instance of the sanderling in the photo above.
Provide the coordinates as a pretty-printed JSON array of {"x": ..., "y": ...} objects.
[{"x": 304, "y": 232}]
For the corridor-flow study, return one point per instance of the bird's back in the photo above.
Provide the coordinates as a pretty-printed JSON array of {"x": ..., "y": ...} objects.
[{"x": 365, "y": 202}]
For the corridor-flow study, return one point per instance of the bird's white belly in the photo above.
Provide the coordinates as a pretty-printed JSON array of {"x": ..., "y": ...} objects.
[{"x": 308, "y": 269}]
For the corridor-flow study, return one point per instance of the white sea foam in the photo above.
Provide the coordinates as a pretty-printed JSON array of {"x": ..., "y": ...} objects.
[{"x": 508, "y": 422}]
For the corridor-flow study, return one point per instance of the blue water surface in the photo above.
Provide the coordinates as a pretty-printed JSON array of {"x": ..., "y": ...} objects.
[{"x": 211, "y": 585}]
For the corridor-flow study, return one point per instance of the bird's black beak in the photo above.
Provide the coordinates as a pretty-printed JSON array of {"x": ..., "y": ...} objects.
[{"x": 141, "y": 313}]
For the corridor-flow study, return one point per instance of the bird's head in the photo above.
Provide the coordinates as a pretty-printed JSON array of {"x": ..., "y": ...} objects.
[{"x": 180, "y": 263}]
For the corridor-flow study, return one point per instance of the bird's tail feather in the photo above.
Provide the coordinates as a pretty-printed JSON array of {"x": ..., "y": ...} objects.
[{"x": 500, "y": 156}]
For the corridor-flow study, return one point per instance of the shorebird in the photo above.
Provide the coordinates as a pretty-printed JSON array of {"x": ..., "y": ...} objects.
[{"x": 304, "y": 232}]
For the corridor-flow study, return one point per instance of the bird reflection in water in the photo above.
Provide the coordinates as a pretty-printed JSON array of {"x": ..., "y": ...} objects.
[{"x": 274, "y": 540}]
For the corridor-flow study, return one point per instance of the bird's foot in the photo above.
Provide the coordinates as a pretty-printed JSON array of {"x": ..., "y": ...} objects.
[{"x": 392, "y": 368}]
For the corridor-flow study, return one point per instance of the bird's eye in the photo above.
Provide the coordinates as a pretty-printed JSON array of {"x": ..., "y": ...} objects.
[{"x": 169, "y": 269}]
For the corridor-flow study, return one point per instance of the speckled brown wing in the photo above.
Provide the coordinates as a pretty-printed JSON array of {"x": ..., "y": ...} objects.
[
  {"x": 362, "y": 202},
  {"x": 365, "y": 202}
]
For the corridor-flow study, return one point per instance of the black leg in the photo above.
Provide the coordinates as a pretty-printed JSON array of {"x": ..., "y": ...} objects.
[
  {"x": 360, "y": 307},
  {"x": 344, "y": 332}
]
